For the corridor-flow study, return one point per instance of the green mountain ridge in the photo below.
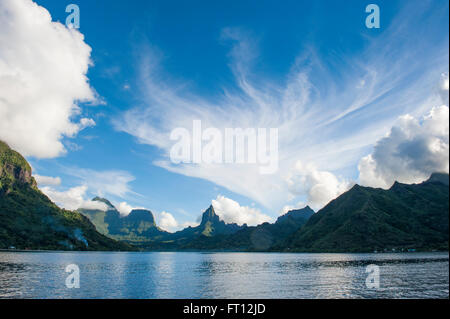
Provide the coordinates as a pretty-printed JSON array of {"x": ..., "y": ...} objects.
[
  {"x": 30, "y": 220},
  {"x": 262, "y": 237},
  {"x": 215, "y": 234},
  {"x": 370, "y": 219},
  {"x": 363, "y": 219}
]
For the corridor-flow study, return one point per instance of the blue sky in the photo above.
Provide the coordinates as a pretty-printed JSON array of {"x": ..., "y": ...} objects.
[{"x": 157, "y": 65}]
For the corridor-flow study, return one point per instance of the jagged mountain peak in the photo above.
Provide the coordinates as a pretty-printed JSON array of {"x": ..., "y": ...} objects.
[{"x": 210, "y": 215}]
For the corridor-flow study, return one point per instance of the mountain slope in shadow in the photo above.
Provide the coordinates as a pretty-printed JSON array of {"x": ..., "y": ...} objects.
[
  {"x": 369, "y": 219},
  {"x": 215, "y": 234}
]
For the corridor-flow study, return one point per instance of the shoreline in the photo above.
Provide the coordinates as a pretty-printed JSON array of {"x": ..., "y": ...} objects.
[{"x": 213, "y": 251}]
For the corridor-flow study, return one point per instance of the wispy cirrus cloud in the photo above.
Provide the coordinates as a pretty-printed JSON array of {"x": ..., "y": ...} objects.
[
  {"x": 329, "y": 110},
  {"x": 103, "y": 183}
]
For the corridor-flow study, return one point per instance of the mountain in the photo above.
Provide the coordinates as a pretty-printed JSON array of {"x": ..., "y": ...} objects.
[
  {"x": 214, "y": 234},
  {"x": 367, "y": 219},
  {"x": 363, "y": 219},
  {"x": 210, "y": 230},
  {"x": 29, "y": 220},
  {"x": 295, "y": 215},
  {"x": 266, "y": 236},
  {"x": 439, "y": 177},
  {"x": 211, "y": 225},
  {"x": 138, "y": 226}
]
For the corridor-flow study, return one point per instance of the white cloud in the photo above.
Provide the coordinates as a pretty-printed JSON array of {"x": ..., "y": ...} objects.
[
  {"x": 167, "y": 222},
  {"x": 103, "y": 183},
  {"x": 43, "y": 67},
  {"x": 287, "y": 208},
  {"x": 47, "y": 180},
  {"x": 231, "y": 212},
  {"x": 72, "y": 198},
  {"x": 124, "y": 208},
  {"x": 411, "y": 152},
  {"x": 319, "y": 187},
  {"x": 329, "y": 110},
  {"x": 188, "y": 224},
  {"x": 90, "y": 204},
  {"x": 100, "y": 183},
  {"x": 86, "y": 122}
]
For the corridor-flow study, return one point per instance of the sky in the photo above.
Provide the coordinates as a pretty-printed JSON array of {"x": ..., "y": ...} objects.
[{"x": 93, "y": 108}]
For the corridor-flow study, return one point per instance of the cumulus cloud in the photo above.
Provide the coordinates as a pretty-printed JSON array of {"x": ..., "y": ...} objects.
[
  {"x": 189, "y": 224},
  {"x": 43, "y": 67},
  {"x": 47, "y": 180},
  {"x": 411, "y": 152},
  {"x": 231, "y": 211},
  {"x": 90, "y": 204},
  {"x": 287, "y": 208},
  {"x": 72, "y": 198},
  {"x": 319, "y": 187},
  {"x": 167, "y": 222},
  {"x": 100, "y": 183},
  {"x": 124, "y": 208}
]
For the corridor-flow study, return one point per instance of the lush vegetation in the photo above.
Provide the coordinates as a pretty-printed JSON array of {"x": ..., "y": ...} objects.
[
  {"x": 405, "y": 217},
  {"x": 29, "y": 220},
  {"x": 364, "y": 219}
]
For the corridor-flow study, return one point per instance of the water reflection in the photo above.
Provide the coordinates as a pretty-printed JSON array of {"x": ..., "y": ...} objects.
[{"x": 222, "y": 275}]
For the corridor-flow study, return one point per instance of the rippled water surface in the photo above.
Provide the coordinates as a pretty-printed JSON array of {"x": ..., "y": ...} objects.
[{"x": 222, "y": 275}]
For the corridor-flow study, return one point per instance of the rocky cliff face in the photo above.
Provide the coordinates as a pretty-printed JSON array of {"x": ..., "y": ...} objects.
[
  {"x": 14, "y": 169},
  {"x": 18, "y": 174}
]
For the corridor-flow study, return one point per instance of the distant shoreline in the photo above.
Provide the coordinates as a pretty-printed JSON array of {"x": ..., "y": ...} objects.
[{"x": 212, "y": 251}]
